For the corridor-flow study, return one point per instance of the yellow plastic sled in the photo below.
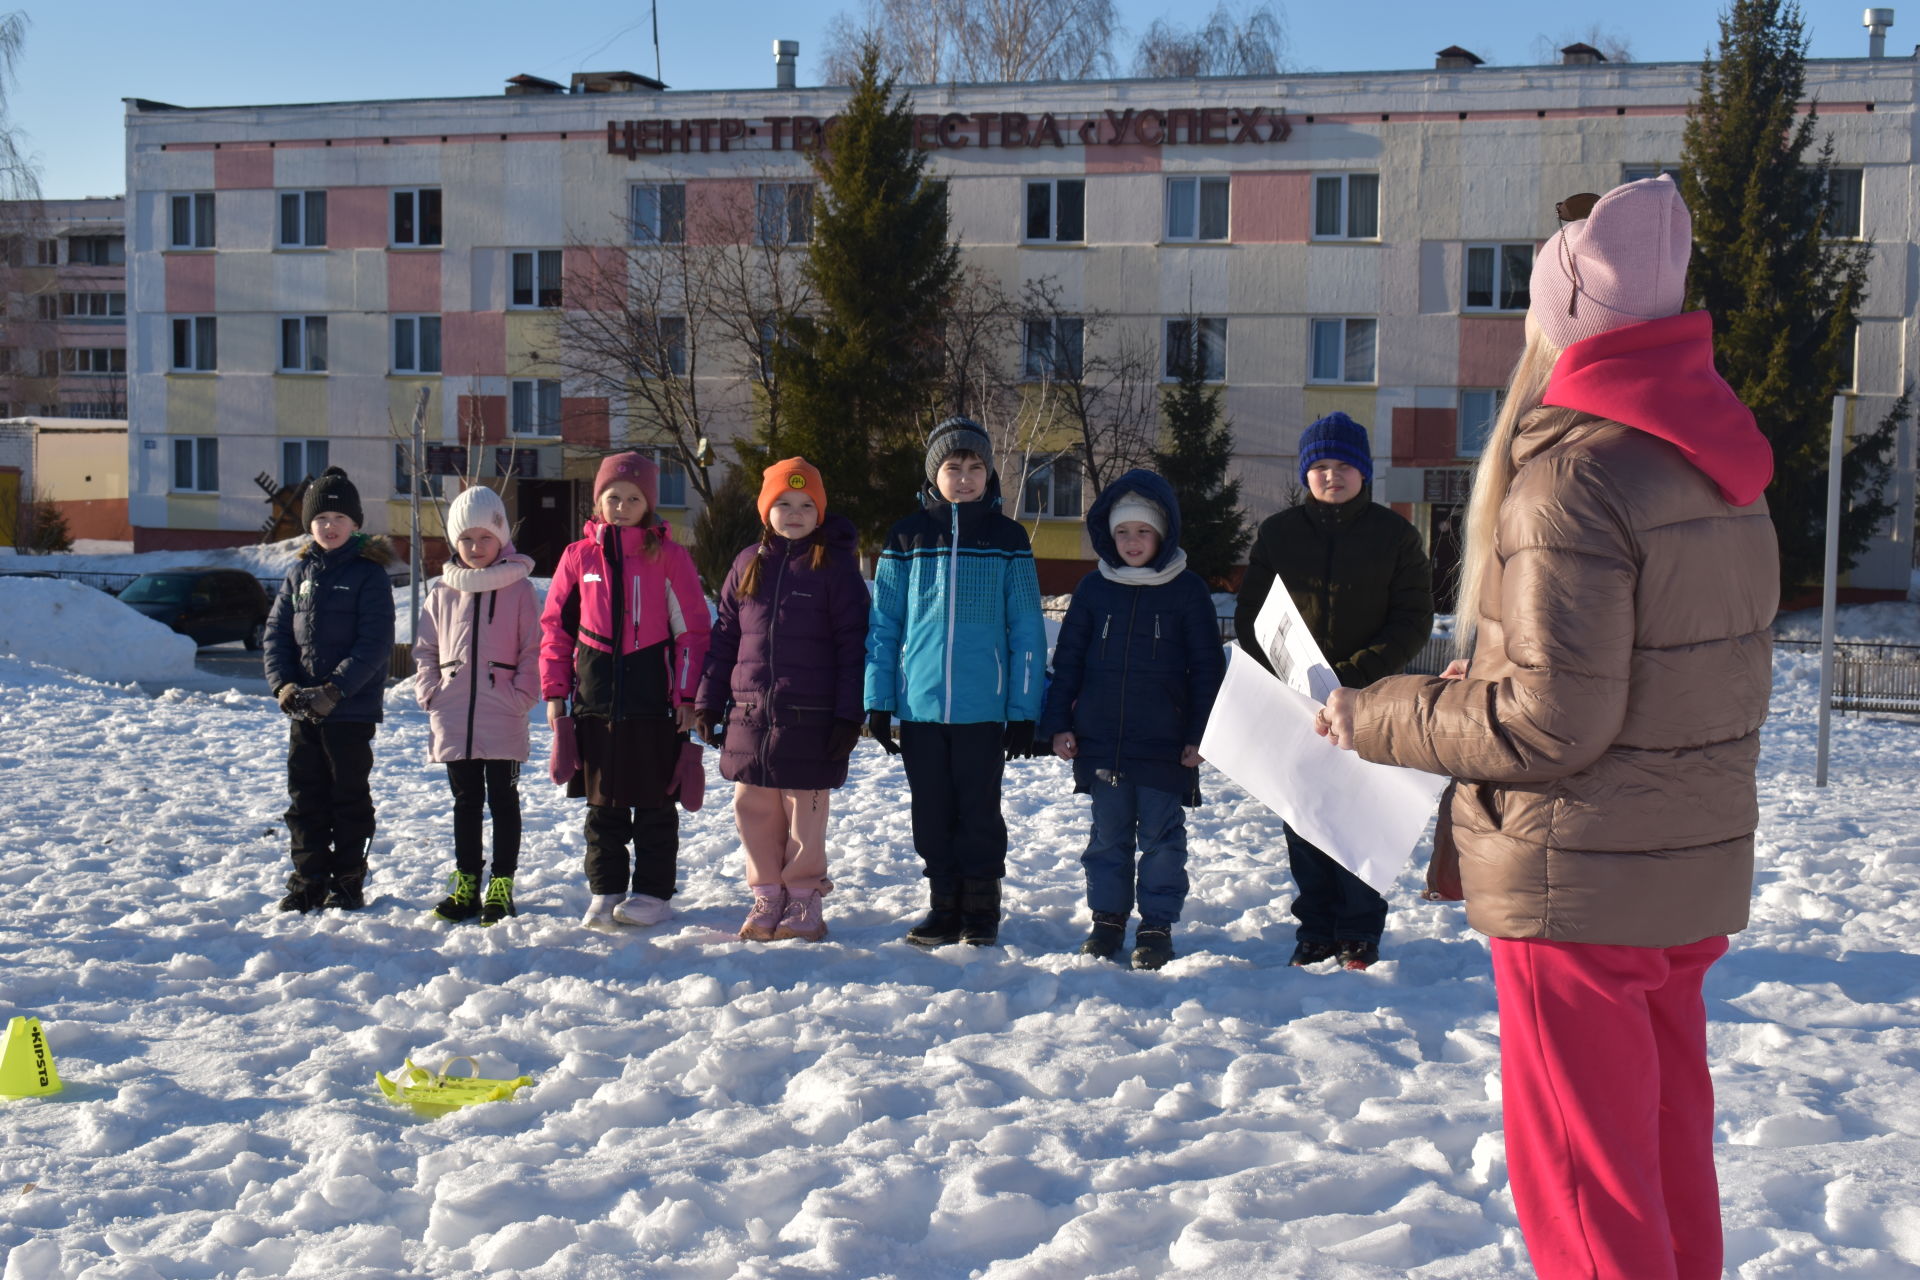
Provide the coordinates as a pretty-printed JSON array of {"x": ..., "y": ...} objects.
[{"x": 435, "y": 1094}]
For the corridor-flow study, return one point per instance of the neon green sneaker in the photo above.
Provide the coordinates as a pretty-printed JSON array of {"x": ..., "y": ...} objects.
[
  {"x": 499, "y": 902},
  {"x": 462, "y": 901}
]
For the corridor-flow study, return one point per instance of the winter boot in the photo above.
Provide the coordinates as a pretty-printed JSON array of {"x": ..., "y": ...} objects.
[
  {"x": 769, "y": 902},
  {"x": 1152, "y": 945},
  {"x": 303, "y": 893},
  {"x": 643, "y": 909},
  {"x": 350, "y": 881},
  {"x": 463, "y": 899},
  {"x": 980, "y": 912},
  {"x": 1355, "y": 954},
  {"x": 802, "y": 918},
  {"x": 1307, "y": 951},
  {"x": 499, "y": 901},
  {"x": 1109, "y": 934},
  {"x": 942, "y": 923},
  {"x": 600, "y": 911}
]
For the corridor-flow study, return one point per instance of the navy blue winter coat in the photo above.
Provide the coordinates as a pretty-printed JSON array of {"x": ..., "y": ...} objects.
[
  {"x": 1136, "y": 668},
  {"x": 789, "y": 660},
  {"x": 332, "y": 623}
]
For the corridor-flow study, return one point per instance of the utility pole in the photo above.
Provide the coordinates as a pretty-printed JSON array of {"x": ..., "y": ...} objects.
[
  {"x": 1830, "y": 588},
  {"x": 416, "y": 457}
]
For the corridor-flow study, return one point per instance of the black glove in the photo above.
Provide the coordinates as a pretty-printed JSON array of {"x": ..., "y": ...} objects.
[
  {"x": 321, "y": 701},
  {"x": 1018, "y": 739},
  {"x": 712, "y": 725},
  {"x": 842, "y": 738},
  {"x": 880, "y": 725},
  {"x": 292, "y": 699}
]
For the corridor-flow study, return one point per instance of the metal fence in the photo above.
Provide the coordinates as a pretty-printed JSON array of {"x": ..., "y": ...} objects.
[{"x": 1870, "y": 677}]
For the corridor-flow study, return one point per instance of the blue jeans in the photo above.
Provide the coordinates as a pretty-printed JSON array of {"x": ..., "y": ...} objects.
[
  {"x": 1333, "y": 904},
  {"x": 1125, "y": 816}
]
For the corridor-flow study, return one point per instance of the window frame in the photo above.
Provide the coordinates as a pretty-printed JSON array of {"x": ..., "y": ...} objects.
[
  {"x": 1496, "y": 396},
  {"x": 673, "y": 474},
  {"x": 643, "y": 231},
  {"x": 197, "y": 203},
  {"x": 538, "y": 290},
  {"x": 308, "y": 471},
  {"x": 676, "y": 350},
  {"x": 1198, "y": 342},
  {"x": 91, "y": 260},
  {"x": 1857, "y": 202},
  {"x": 1499, "y": 250},
  {"x": 72, "y": 358},
  {"x": 416, "y": 343},
  {"x": 71, "y": 305},
  {"x": 427, "y": 484},
  {"x": 306, "y": 203},
  {"x": 202, "y": 341},
  {"x": 1051, "y": 476},
  {"x": 1196, "y": 208},
  {"x": 1342, "y": 380},
  {"x": 1040, "y": 362},
  {"x": 201, "y": 455},
  {"x": 1345, "y": 218},
  {"x": 417, "y": 216},
  {"x": 303, "y": 332},
  {"x": 1052, "y": 187},
  {"x": 787, "y": 212},
  {"x": 535, "y": 420}
]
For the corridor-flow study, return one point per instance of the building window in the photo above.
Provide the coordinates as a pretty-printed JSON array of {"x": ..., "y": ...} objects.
[
  {"x": 6, "y": 364},
  {"x": 1057, "y": 210},
  {"x": 191, "y": 223},
  {"x": 301, "y": 460},
  {"x": 93, "y": 360},
  {"x": 1053, "y": 348},
  {"x": 49, "y": 364},
  {"x": 416, "y": 217},
  {"x": 194, "y": 347},
  {"x": 403, "y": 472},
  {"x": 1197, "y": 208},
  {"x": 47, "y": 306},
  {"x": 93, "y": 306},
  {"x": 536, "y": 278},
  {"x": 673, "y": 476},
  {"x": 196, "y": 465},
  {"x": 1053, "y": 489},
  {"x": 1343, "y": 350},
  {"x": 785, "y": 212},
  {"x": 303, "y": 344},
  {"x": 671, "y": 333},
  {"x": 1498, "y": 277},
  {"x": 46, "y": 253},
  {"x": 97, "y": 251},
  {"x": 1203, "y": 341},
  {"x": 658, "y": 212},
  {"x": 96, "y": 409},
  {"x": 1479, "y": 407},
  {"x": 1641, "y": 172},
  {"x": 1346, "y": 206},
  {"x": 303, "y": 219},
  {"x": 1843, "y": 203},
  {"x": 535, "y": 407},
  {"x": 416, "y": 344}
]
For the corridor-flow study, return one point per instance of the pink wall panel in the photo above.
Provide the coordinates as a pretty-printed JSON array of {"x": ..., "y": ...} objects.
[
  {"x": 594, "y": 277},
  {"x": 357, "y": 219},
  {"x": 189, "y": 281},
  {"x": 1425, "y": 437},
  {"x": 1272, "y": 208},
  {"x": 238, "y": 167},
  {"x": 1128, "y": 157},
  {"x": 474, "y": 344},
  {"x": 489, "y": 413},
  {"x": 584, "y": 421},
  {"x": 720, "y": 211},
  {"x": 413, "y": 281},
  {"x": 1488, "y": 347}
]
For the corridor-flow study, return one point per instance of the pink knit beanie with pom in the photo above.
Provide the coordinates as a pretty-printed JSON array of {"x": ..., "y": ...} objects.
[{"x": 1623, "y": 264}]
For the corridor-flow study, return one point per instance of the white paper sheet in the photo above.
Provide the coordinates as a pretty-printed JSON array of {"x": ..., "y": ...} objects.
[
  {"x": 1290, "y": 647},
  {"x": 1367, "y": 816}
]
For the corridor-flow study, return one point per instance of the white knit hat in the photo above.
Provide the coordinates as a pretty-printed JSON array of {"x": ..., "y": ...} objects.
[
  {"x": 1137, "y": 506},
  {"x": 478, "y": 508}
]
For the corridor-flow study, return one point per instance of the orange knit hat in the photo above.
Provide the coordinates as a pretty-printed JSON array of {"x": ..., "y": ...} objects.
[{"x": 790, "y": 476}]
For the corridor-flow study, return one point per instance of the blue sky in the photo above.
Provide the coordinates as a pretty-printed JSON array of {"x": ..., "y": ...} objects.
[{"x": 83, "y": 56}]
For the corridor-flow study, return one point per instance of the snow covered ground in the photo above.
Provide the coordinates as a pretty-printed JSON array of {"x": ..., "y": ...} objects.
[{"x": 704, "y": 1107}]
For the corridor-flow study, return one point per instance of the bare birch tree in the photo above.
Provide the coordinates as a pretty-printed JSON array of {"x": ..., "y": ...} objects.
[
  {"x": 979, "y": 41},
  {"x": 1235, "y": 40},
  {"x": 1107, "y": 386}
]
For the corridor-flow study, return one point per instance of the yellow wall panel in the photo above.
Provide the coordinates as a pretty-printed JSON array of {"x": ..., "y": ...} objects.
[
  {"x": 532, "y": 340},
  {"x": 300, "y": 406},
  {"x": 190, "y": 406}
]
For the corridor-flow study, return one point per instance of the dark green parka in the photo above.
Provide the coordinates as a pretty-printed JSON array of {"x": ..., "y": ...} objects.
[{"x": 1358, "y": 574}]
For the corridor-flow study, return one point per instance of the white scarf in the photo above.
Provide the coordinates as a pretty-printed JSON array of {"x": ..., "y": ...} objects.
[
  {"x": 504, "y": 572},
  {"x": 1142, "y": 576}
]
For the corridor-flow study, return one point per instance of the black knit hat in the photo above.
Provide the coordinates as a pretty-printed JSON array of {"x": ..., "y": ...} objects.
[
  {"x": 332, "y": 492},
  {"x": 953, "y": 436}
]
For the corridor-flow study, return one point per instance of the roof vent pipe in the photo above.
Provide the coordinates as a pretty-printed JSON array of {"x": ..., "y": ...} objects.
[
  {"x": 785, "y": 52},
  {"x": 1876, "y": 22}
]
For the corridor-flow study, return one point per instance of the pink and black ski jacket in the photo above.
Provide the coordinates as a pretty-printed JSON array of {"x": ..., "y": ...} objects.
[{"x": 624, "y": 632}]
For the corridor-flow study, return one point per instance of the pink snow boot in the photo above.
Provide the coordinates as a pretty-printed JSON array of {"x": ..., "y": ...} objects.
[
  {"x": 802, "y": 919},
  {"x": 769, "y": 900}
]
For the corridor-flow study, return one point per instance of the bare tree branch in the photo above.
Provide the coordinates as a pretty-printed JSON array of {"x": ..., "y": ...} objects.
[
  {"x": 939, "y": 41},
  {"x": 1235, "y": 40}
]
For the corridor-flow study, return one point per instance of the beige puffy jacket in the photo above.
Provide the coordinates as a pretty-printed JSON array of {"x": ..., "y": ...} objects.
[{"x": 1606, "y": 736}]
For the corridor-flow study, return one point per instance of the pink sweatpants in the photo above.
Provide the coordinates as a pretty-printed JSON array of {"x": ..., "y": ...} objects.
[
  {"x": 1609, "y": 1108},
  {"x": 785, "y": 835}
]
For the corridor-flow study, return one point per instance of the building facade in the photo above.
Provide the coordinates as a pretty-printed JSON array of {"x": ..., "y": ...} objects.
[
  {"x": 1351, "y": 241},
  {"x": 63, "y": 288}
]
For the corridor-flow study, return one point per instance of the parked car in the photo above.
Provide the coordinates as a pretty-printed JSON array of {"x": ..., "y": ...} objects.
[{"x": 210, "y": 605}]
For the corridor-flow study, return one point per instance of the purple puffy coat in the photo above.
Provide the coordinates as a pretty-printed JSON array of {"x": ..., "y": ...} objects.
[
  {"x": 476, "y": 657},
  {"x": 789, "y": 661}
]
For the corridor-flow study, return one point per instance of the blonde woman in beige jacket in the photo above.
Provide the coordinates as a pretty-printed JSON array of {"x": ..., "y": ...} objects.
[{"x": 1621, "y": 575}]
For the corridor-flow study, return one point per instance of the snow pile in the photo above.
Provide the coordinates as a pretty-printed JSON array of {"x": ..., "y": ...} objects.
[
  {"x": 264, "y": 560},
  {"x": 67, "y": 625},
  {"x": 1891, "y": 622},
  {"x": 705, "y": 1107}
]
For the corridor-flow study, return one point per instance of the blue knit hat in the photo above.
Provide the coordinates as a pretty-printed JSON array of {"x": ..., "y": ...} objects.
[{"x": 1338, "y": 437}]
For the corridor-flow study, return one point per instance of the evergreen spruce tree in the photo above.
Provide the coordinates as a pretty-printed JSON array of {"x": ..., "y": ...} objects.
[
  {"x": 1199, "y": 451},
  {"x": 728, "y": 523},
  {"x": 863, "y": 368},
  {"x": 1783, "y": 294}
]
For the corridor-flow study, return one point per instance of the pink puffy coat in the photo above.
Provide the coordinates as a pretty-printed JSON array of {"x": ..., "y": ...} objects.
[{"x": 476, "y": 657}]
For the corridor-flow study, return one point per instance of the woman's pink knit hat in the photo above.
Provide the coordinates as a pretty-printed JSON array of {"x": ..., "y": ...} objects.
[
  {"x": 636, "y": 468},
  {"x": 1623, "y": 264}
]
